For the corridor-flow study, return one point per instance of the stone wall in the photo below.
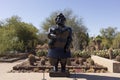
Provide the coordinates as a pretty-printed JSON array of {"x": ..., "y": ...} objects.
[{"x": 113, "y": 66}]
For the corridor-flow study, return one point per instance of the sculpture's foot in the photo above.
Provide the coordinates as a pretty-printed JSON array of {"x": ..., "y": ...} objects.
[
  {"x": 63, "y": 69},
  {"x": 55, "y": 68}
]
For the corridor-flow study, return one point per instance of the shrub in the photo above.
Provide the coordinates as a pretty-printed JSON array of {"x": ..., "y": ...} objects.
[
  {"x": 76, "y": 53},
  {"x": 83, "y": 54},
  {"x": 116, "y": 52},
  {"x": 41, "y": 53},
  {"x": 101, "y": 53}
]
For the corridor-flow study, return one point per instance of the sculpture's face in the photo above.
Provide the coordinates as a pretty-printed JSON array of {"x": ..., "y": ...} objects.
[{"x": 60, "y": 19}]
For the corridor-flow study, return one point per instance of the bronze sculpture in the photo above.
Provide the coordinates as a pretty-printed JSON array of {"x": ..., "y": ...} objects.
[{"x": 60, "y": 37}]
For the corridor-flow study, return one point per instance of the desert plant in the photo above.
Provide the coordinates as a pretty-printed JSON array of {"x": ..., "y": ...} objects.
[
  {"x": 90, "y": 70},
  {"x": 76, "y": 53},
  {"x": 116, "y": 52},
  {"x": 110, "y": 52},
  {"x": 102, "y": 53},
  {"x": 43, "y": 60},
  {"x": 90, "y": 61},
  {"x": 85, "y": 54},
  {"x": 117, "y": 58},
  {"x": 79, "y": 61},
  {"x": 31, "y": 59},
  {"x": 41, "y": 53},
  {"x": 36, "y": 69},
  {"x": 102, "y": 71}
]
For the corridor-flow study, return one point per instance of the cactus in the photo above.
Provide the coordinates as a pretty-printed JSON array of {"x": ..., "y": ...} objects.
[
  {"x": 43, "y": 60},
  {"x": 118, "y": 58},
  {"x": 31, "y": 59},
  {"x": 90, "y": 70},
  {"x": 90, "y": 61},
  {"x": 110, "y": 52},
  {"x": 102, "y": 71},
  {"x": 36, "y": 69}
]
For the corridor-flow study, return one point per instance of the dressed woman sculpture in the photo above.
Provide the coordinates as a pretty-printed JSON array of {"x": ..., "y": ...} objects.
[{"x": 60, "y": 38}]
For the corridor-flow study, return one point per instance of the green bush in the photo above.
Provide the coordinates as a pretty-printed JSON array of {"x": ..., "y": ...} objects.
[
  {"x": 105, "y": 54},
  {"x": 84, "y": 54},
  {"x": 76, "y": 53},
  {"x": 116, "y": 52},
  {"x": 42, "y": 53},
  {"x": 101, "y": 53}
]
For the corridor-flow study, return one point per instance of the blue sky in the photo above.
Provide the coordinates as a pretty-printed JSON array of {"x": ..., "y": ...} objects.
[{"x": 96, "y": 14}]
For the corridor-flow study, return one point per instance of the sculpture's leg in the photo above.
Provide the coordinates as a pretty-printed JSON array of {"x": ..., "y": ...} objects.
[
  {"x": 54, "y": 63},
  {"x": 55, "y": 68},
  {"x": 63, "y": 64}
]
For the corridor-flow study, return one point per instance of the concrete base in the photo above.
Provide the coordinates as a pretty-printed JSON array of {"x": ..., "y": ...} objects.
[{"x": 59, "y": 74}]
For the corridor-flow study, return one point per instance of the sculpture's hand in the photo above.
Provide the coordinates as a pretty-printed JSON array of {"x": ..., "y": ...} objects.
[{"x": 53, "y": 35}]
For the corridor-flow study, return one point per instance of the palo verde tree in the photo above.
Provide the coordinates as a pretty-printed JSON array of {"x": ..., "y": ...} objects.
[
  {"x": 108, "y": 34},
  {"x": 116, "y": 41},
  {"x": 80, "y": 35},
  {"x": 17, "y": 35}
]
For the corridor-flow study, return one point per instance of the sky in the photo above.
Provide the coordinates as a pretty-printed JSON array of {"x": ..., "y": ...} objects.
[{"x": 96, "y": 14}]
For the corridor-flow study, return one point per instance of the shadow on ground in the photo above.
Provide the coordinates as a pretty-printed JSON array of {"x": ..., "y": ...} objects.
[{"x": 93, "y": 77}]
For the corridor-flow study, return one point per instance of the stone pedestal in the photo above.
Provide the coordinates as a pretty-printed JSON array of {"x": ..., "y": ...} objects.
[{"x": 59, "y": 74}]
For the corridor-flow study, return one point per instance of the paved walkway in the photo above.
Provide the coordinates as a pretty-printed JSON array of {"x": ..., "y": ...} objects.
[{"x": 5, "y": 67}]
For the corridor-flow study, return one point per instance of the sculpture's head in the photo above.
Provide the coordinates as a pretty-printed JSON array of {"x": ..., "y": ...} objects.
[{"x": 60, "y": 19}]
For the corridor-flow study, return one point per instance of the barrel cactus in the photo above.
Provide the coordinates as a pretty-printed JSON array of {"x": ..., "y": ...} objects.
[
  {"x": 118, "y": 58},
  {"x": 31, "y": 59},
  {"x": 90, "y": 61}
]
